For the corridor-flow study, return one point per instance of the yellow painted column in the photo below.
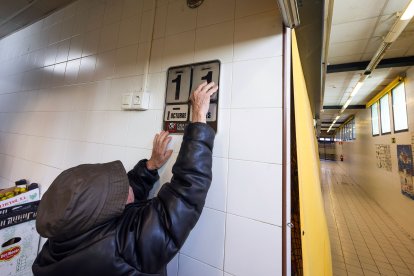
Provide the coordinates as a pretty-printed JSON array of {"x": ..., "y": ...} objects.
[{"x": 316, "y": 250}]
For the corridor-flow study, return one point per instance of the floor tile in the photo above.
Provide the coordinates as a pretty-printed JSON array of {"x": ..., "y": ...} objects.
[{"x": 363, "y": 237}]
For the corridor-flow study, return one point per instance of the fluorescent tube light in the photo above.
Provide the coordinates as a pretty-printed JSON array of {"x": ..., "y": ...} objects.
[
  {"x": 409, "y": 12},
  {"x": 336, "y": 119},
  {"x": 346, "y": 104},
  {"x": 356, "y": 88}
]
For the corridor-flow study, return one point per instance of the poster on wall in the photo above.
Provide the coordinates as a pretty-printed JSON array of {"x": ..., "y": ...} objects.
[
  {"x": 405, "y": 169},
  {"x": 383, "y": 156}
]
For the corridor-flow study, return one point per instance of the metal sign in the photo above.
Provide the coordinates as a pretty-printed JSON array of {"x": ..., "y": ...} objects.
[{"x": 181, "y": 81}]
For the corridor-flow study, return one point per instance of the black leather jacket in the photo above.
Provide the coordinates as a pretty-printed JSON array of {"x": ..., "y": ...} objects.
[{"x": 150, "y": 232}]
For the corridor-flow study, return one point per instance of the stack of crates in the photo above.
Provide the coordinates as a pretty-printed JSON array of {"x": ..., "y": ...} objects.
[{"x": 19, "y": 239}]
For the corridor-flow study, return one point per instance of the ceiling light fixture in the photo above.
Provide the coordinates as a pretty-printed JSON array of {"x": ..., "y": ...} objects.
[
  {"x": 392, "y": 35},
  {"x": 409, "y": 12},
  {"x": 336, "y": 119}
]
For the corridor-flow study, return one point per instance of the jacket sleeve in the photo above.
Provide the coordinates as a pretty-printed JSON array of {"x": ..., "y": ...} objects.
[
  {"x": 142, "y": 180},
  {"x": 168, "y": 218}
]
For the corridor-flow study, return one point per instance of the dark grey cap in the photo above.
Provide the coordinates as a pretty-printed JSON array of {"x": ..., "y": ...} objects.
[{"x": 81, "y": 198}]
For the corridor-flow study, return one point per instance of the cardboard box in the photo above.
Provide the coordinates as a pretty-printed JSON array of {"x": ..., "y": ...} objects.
[
  {"x": 19, "y": 239},
  {"x": 26, "y": 197}
]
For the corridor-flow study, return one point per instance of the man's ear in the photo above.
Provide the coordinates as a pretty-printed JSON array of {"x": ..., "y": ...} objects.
[{"x": 131, "y": 196}]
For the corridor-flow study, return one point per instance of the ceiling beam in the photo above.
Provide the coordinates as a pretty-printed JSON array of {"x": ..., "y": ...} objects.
[
  {"x": 361, "y": 65},
  {"x": 335, "y": 107}
]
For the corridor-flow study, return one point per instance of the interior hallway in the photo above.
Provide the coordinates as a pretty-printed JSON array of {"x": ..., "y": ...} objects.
[{"x": 364, "y": 239}]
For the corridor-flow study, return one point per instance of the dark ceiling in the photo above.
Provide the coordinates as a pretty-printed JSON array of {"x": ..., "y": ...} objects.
[{"x": 16, "y": 14}]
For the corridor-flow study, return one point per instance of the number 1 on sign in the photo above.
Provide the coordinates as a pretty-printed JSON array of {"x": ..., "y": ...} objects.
[
  {"x": 208, "y": 77},
  {"x": 177, "y": 82}
]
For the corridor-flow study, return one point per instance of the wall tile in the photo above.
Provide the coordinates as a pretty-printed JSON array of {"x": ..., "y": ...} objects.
[
  {"x": 221, "y": 142},
  {"x": 179, "y": 49},
  {"x": 70, "y": 10},
  {"x": 105, "y": 63},
  {"x": 215, "y": 11},
  {"x": 109, "y": 37},
  {"x": 22, "y": 169},
  {"x": 67, "y": 28},
  {"x": 261, "y": 125},
  {"x": 189, "y": 267},
  {"x": 156, "y": 87},
  {"x": 54, "y": 33},
  {"x": 112, "y": 153},
  {"x": 248, "y": 253},
  {"x": 95, "y": 16},
  {"x": 75, "y": 50},
  {"x": 72, "y": 70},
  {"x": 81, "y": 18},
  {"x": 206, "y": 241},
  {"x": 129, "y": 31},
  {"x": 59, "y": 74},
  {"x": 126, "y": 61},
  {"x": 215, "y": 42},
  {"x": 113, "y": 11},
  {"x": 120, "y": 86},
  {"x": 160, "y": 21},
  {"x": 216, "y": 197},
  {"x": 17, "y": 146},
  {"x": 87, "y": 69},
  {"x": 132, "y": 8},
  {"x": 90, "y": 43},
  {"x": 116, "y": 129},
  {"x": 31, "y": 80},
  {"x": 45, "y": 151},
  {"x": 246, "y": 7},
  {"x": 142, "y": 128},
  {"x": 77, "y": 125},
  {"x": 6, "y": 164},
  {"x": 148, "y": 5},
  {"x": 147, "y": 26},
  {"x": 257, "y": 83},
  {"x": 77, "y": 153},
  {"x": 92, "y": 96},
  {"x": 258, "y": 36},
  {"x": 50, "y": 56},
  {"x": 157, "y": 55},
  {"x": 133, "y": 156},
  {"x": 180, "y": 18},
  {"x": 248, "y": 180},
  {"x": 172, "y": 267},
  {"x": 47, "y": 76},
  {"x": 96, "y": 126}
]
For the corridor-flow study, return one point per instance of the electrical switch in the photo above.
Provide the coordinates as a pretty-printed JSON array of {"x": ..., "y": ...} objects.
[{"x": 127, "y": 100}]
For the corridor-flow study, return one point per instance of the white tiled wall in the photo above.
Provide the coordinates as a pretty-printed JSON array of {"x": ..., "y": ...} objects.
[
  {"x": 61, "y": 81},
  {"x": 361, "y": 164}
]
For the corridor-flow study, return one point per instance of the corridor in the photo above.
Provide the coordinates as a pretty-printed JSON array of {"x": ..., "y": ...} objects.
[{"x": 365, "y": 240}]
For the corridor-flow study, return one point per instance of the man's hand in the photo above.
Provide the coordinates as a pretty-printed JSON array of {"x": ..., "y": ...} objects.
[
  {"x": 200, "y": 100},
  {"x": 160, "y": 154}
]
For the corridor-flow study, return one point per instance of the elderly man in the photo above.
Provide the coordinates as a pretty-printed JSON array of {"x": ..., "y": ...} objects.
[{"x": 98, "y": 220}]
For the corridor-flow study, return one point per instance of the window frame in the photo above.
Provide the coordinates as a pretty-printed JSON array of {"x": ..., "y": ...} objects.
[
  {"x": 380, "y": 117},
  {"x": 378, "y": 120},
  {"x": 406, "y": 110}
]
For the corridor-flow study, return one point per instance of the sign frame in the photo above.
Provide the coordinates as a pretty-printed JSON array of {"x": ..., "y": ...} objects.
[{"x": 177, "y": 127}]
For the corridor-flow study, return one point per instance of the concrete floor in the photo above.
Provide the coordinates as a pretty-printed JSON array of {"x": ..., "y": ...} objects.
[{"x": 365, "y": 240}]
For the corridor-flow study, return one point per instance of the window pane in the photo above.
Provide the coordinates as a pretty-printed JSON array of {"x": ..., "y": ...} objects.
[
  {"x": 399, "y": 108},
  {"x": 374, "y": 121},
  {"x": 353, "y": 129},
  {"x": 385, "y": 115}
]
